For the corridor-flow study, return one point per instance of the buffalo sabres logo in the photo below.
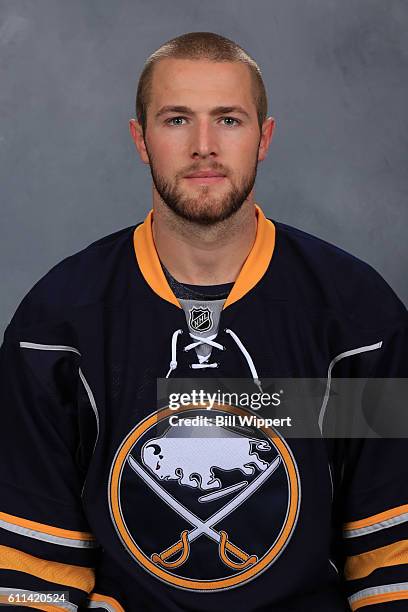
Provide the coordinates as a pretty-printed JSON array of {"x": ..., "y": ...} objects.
[
  {"x": 200, "y": 319},
  {"x": 203, "y": 508}
]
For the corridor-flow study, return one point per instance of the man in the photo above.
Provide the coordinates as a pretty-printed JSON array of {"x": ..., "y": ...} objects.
[{"x": 123, "y": 505}]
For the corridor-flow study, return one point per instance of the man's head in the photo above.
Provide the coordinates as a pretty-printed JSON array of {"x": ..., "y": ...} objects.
[{"x": 201, "y": 107}]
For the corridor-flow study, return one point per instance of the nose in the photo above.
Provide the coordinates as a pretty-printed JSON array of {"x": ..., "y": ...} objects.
[{"x": 203, "y": 140}]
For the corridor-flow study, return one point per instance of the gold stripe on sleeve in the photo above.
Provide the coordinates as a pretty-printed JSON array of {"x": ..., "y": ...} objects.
[
  {"x": 75, "y": 576},
  {"x": 110, "y": 602},
  {"x": 360, "y": 566}
]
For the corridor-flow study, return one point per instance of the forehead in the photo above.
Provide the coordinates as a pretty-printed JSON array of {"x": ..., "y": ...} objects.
[{"x": 179, "y": 81}]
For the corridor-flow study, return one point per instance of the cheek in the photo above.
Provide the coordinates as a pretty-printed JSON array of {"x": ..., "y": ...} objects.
[
  {"x": 169, "y": 141},
  {"x": 163, "y": 160},
  {"x": 238, "y": 149},
  {"x": 241, "y": 161},
  {"x": 166, "y": 154}
]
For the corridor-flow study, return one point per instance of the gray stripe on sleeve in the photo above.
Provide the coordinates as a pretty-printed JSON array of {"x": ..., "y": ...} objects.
[
  {"x": 350, "y": 353},
  {"x": 49, "y": 347},
  {"x": 102, "y": 604},
  {"x": 47, "y": 537},
  {"x": 361, "y": 531},
  {"x": 379, "y": 590}
]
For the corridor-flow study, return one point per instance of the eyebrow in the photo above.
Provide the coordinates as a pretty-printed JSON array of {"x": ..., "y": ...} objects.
[{"x": 218, "y": 110}]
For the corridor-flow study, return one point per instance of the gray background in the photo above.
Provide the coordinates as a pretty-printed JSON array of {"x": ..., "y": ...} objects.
[{"x": 336, "y": 75}]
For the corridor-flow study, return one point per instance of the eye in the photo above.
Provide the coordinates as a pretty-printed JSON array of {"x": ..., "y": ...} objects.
[
  {"x": 236, "y": 121},
  {"x": 169, "y": 121}
]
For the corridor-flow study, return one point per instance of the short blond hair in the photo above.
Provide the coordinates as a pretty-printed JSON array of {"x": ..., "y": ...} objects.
[{"x": 198, "y": 46}]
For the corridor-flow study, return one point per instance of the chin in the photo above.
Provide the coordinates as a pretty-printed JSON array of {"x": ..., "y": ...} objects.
[{"x": 206, "y": 216}]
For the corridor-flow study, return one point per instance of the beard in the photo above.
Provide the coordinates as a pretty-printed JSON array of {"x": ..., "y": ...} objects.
[{"x": 204, "y": 209}]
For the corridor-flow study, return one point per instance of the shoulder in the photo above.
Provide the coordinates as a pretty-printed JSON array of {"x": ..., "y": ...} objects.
[
  {"x": 79, "y": 279},
  {"x": 326, "y": 276}
]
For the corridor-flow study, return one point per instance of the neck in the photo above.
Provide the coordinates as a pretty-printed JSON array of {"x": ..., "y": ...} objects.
[{"x": 200, "y": 255}]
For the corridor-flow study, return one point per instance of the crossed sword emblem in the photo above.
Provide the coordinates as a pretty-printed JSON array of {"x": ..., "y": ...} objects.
[{"x": 204, "y": 527}]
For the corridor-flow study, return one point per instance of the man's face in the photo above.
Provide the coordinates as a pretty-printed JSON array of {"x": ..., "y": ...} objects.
[{"x": 214, "y": 130}]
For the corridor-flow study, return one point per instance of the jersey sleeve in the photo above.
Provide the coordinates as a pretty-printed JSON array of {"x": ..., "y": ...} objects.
[
  {"x": 46, "y": 545},
  {"x": 375, "y": 492}
]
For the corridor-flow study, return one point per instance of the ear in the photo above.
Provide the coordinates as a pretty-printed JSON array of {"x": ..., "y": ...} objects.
[
  {"x": 267, "y": 131},
  {"x": 136, "y": 133}
]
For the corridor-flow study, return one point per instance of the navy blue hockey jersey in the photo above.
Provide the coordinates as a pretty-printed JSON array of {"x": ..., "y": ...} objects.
[{"x": 102, "y": 499}]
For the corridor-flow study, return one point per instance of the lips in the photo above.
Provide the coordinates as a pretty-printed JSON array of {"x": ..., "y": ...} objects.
[
  {"x": 205, "y": 174},
  {"x": 205, "y": 177}
]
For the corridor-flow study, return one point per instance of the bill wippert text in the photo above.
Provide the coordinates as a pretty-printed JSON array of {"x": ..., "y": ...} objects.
[{"x": 230, "y": 420}]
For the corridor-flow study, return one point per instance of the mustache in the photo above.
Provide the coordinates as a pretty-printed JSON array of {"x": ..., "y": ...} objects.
[{"x": 196, "y": 168}]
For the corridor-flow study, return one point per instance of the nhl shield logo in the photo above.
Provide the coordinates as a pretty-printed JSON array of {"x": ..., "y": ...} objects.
[
  {"x": 213, "y": 520},
  {"x": 200, "y": 319}
]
